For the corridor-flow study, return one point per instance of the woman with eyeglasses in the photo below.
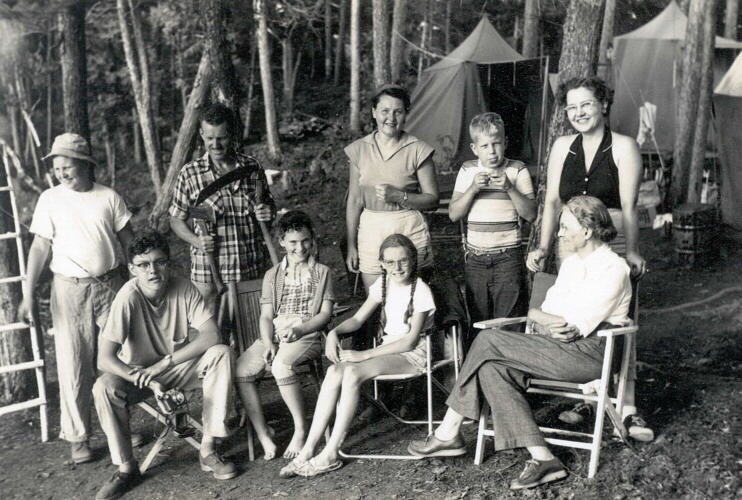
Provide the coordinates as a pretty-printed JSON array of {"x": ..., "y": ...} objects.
[{"x": 601, "y": 163}]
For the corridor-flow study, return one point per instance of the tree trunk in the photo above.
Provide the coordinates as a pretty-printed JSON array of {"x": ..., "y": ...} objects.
[
  {"x": 224, "y": 84},
  {"x": 399, "y": 17},
  {"x": 49, "y": 87},
  {"x": 424, "y": 35},
  {"x": 266, "y": 79},
  {"x": 700, "y": 129},
  {"x": 579, "y": 47},
  {"x": 355, "y": 66},
  {"x": 328, "y": 39},
  {"x": 290, "y": 70},
  {"x": 110, "y": 146},
  {"x": 381, "y": 42},
  {"x": 340, "y": 45},
  {"x": 250, "y": 93},
  {"x": 730, "y": 19},
  {"x": 606, "y": 39},
  {"x": 184, "y": 143},
  {"x": 531, "y": 20},
  {"x": 137, "y": 136},
  {"x": 447, "y": 28},
  {"x": 684, "y": 6},
  {"x": 74, "y": 69},
  {"x": 137, "y": 62},
  {"x": 687, "y": 109},
  {"x": 15, "y": 345}
]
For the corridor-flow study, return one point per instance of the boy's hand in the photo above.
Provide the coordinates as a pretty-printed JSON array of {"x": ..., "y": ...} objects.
[
  {"x": 289, "y": 335},
  {"x": 270, "y": 353},
  {"x": 536, "y": 259},
  {"x": 500, "y": 181},
  {"x": 480, "y": 181},
  {"x": 331, "y": 347}
]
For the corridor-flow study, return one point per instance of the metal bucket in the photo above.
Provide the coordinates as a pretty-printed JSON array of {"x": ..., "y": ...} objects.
[{"x": 696, "y": 231}]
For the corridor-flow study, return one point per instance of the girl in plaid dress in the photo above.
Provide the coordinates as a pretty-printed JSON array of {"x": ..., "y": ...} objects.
[{"x": 295, "y": 305}]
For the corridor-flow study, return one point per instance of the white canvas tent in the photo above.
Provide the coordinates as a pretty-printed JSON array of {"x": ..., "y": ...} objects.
[
  {"x": 728, "y": 111},
  {"x": 482, "y": 74},
  {"x": 645, "y": 65}
]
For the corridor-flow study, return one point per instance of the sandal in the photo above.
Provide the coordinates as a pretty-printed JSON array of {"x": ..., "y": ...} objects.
[
  {"x": 311, "y": 469},
  {"x": 578, "y": 414},
  {"x": 637, "y": 428},
  {"x": 291, "y": 469}
]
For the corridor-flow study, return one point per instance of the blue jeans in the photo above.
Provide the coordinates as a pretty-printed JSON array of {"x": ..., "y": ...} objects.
[{"x": 493, "y": 285}]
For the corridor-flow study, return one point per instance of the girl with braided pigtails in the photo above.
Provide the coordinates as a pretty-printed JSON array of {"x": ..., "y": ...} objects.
[{"x": 407, "y": 309}]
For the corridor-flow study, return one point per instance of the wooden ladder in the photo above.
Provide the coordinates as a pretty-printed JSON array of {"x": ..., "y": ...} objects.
[{"x": 37, "y": 364}]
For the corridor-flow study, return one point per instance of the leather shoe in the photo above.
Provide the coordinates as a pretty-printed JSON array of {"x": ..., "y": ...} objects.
[
  {"x": 81, "y": 452},
  {"x": 539, "y": 472},
  {"x": 431, "y": 446},
  {"x": 120, "y": 483},
  {"x": 215, "y": 464}
]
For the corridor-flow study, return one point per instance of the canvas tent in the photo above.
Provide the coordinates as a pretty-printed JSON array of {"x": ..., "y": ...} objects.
[
  {"x": 728, "y": 110},
  {"x": 482, "y": 74},
  {"x": 645, "y": 64}
]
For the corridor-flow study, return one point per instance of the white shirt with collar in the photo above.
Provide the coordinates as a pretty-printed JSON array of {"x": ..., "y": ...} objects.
[{"x": 590, "y": 290}]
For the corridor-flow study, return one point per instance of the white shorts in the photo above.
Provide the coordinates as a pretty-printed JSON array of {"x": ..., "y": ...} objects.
[{"x": 375, "y": 226}]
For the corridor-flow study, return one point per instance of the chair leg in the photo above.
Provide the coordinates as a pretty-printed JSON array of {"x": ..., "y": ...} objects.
[
  {"x": 479, "y": 452},
  {"x": 159, "y": 442}
]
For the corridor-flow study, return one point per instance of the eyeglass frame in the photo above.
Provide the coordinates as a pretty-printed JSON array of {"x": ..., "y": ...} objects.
[
  {"x": 583, "y": 106},
  {"x": 158, "y": 264}
]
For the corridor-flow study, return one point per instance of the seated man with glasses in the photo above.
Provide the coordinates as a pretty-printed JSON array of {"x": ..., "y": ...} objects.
[{"x": 146, "y": 347}]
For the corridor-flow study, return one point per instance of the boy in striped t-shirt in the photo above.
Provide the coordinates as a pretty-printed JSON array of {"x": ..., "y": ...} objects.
[{"x": 492, "y": 193}]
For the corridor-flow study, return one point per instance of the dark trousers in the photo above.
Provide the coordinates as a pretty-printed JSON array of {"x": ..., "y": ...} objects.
[
  {"x": 498, "y": 367},
  {"x": 493, "y": 285}
]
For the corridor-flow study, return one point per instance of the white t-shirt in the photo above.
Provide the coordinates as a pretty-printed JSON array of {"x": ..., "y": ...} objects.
[
  {"x": 397, "y": 299},
  {"x": 492, "y": 221},
  {"x": 82, "y": 227},
  {"x": 589, "y": 290}
]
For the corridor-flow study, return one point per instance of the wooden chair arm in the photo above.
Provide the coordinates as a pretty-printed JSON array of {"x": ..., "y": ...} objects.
[
  {"x": 615, "y": 332},
  {"x": 498, "y": 322}
]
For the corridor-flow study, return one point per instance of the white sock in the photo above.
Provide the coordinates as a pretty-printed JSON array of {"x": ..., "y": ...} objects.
[
  {"x": 628, "y": 410},
  {"x": 444, "y": 434}
]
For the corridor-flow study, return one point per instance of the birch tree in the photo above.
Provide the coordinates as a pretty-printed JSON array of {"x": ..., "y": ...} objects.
[
  {"x": 531, "y": 18},
  {"x": 399, "y": 16},
  {"x": 381, "y": 42},
  {"x": 731, "y": 16},
  {"x": 355, "y": 66},
  {"x": 606, "y": 39},
  {"x": 340, "y": 42},
  {"x": 266, "y": 78}
]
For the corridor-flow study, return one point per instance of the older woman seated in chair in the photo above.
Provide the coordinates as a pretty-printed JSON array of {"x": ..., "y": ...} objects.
[{"x": 591, "y": 291}]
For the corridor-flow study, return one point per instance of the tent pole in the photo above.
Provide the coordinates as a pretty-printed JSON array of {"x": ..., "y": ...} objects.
[{"x": 543, "y": 113}]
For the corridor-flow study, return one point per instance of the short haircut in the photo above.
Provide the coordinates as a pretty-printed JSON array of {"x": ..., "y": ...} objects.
[
  {"x": 146, "y": 242},
  {"x": 600, "y": 90},
  {"x": 591, "y": 213},
  {"x": 488, "y": 124},
  {"x": 216, "y": 114},
  {"x": 396, "y": 91},
  {"x": 294, "y": 220}
]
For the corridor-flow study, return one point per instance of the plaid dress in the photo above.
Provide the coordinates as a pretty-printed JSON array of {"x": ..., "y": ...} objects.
[{"x": 240, "y": 249}]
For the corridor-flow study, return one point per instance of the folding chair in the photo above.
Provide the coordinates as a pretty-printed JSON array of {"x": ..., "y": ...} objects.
[
  {"x": 596, "y": 390},
  {"x": 248, "y": 331},
  {"x": 449, "y": 324}
]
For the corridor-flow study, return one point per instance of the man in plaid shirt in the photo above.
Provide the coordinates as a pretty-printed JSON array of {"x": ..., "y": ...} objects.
[{"x": 239, "y": 249}]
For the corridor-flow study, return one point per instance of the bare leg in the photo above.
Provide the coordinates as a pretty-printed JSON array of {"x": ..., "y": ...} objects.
[
  {"x": 354, "y": 375},
  {"x": 326, "y": 402},
  {"x": 291, "y": 394},
  {"x": 254, "y": 408},
  {"x": 368, "y": 280}
]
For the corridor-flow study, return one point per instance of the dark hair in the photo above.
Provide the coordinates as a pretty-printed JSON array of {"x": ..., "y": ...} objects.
[
  {"x": 596, "y": 85},
  {"x": 216, "y": 114},
  {"x": 294, "y": 220},
  {"x": 146, "y": 242},
  {"x": 391, "y": 241},
  {"x": 396, "y": 91},
  {"x": 486, "y": 124},
  {"x": 592, "y": 214}
]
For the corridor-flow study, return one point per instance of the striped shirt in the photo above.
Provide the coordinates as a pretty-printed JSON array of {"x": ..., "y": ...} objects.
[
  {"x": 492, "y": 221},
  {"x": 239, "y": 246}
]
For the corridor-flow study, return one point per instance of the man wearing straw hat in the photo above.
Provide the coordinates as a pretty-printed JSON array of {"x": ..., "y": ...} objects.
[{"x": 84, "y": 226}]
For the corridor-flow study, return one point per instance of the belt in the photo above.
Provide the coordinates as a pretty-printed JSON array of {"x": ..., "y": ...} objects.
[
  {"x": 107, "y": 276},
  {"x": 483, "y": 253}
]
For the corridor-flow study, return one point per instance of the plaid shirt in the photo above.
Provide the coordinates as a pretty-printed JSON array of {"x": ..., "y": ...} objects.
[{"x": 239, "y": 245}]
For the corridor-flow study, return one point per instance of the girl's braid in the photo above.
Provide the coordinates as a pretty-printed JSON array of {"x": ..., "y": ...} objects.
[
  {"x": 382, "y": 316},
  {"x": 410, "y": 307}
]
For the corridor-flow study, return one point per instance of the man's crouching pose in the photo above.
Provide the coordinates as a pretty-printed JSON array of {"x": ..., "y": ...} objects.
[{"x": 145, "y": 346}]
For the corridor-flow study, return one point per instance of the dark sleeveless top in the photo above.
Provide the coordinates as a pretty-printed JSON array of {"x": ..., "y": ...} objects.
[{"x": 601, "y": 181}]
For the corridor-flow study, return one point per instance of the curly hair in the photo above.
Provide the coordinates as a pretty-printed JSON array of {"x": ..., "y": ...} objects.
[
  {"x": 392, "y": 241},
  {"x": 592, "y": 214},
  {"x": 146, "y": 242},
  {"x": 395, "y": 91},
  {"x": 216, "y": 114},
  {"x": 596, "y": 85},
  {"x": 294, "y": 220}
]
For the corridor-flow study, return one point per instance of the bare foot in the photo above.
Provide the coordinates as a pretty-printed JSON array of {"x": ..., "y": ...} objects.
[
  {"x": 269, "y": 447},
  {"x": 295, "y": 446}
]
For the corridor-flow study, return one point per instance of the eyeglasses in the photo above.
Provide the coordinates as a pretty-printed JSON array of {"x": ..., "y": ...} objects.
[
  {"x": 393, "y": 263},
  {"x": 583, "y": 107},
  {"x": 157, "y": 264}
]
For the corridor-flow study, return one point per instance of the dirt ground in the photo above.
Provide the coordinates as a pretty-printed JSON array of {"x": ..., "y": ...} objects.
[{"x": 689, "y": 388}]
